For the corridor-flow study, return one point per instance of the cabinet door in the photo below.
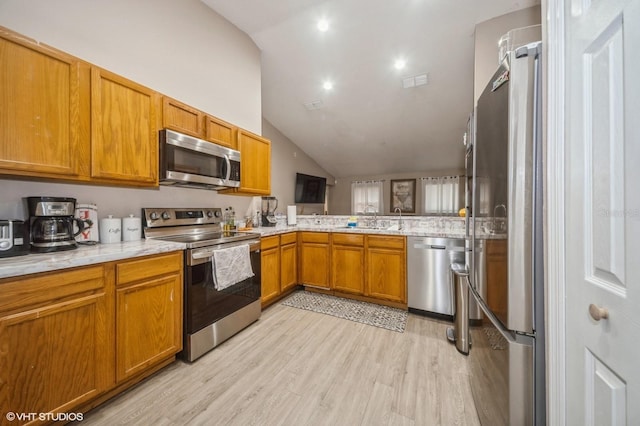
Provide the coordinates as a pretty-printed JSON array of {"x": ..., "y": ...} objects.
[
  {"x": 56, "y": 356},
  {"x": 220, "y": 132},
  {"x": 314, "y": 264},
  {"x": 255, "y": 168},
  {"x": 149, "y": 324},
  {"x": 386, "y": 266},
  {"x": 182, "y": 118},
  {"x": 288, "y": 266},
  {"x": 43, "y": 130},
  {"x": 124, "y": 130},
  {"x": 270, "y": 271},
  {"x": 347, "y": 268}
]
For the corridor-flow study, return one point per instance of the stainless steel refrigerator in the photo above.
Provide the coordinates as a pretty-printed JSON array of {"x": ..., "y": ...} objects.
[{"x": 507, "y": 354}]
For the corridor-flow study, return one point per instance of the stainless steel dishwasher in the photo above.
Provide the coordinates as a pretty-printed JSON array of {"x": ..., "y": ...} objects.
[{"x": 428, "y": 269}]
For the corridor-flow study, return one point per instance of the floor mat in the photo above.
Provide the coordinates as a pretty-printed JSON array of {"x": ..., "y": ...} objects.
[{"x": 367, "y": 313}]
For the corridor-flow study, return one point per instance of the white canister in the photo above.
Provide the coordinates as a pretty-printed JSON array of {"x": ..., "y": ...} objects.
[
  {"x": 88, "y": 213},
  {"x": 110, "y": 230},
  {"x": 131, "y": 228}
]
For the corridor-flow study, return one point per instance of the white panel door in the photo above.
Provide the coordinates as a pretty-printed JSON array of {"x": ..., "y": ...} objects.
[{"x": 603, "y": 212}]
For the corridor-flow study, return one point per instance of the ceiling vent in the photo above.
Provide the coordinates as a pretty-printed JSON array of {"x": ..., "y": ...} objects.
[
  {"x": 314, "y": 105},
  {"x": 414, "y": 81}
]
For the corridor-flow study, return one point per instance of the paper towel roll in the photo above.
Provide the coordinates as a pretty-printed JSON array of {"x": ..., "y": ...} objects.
[
  {"x": 131, "y": 228},
  {"x": 291, "y": 215}
]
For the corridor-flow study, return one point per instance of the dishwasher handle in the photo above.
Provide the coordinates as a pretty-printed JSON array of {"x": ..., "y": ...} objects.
[{"x": 429, "y": 246}]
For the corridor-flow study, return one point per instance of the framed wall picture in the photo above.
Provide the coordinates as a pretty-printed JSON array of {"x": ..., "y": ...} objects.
[{"x": 403, "y": 195}]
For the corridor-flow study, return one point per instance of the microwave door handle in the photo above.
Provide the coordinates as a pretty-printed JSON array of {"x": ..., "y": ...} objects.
[{"x": 228, "y": 162}]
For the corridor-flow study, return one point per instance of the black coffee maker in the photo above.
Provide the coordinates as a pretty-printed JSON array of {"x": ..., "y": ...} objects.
[{"x": 51, "y": 223}]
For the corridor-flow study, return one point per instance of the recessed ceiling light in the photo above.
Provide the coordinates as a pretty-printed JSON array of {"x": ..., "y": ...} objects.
[
  {"x": 399, "y": 64},
  {"x": 327, "y": 85},
  {"x": 323, "y": 25}
]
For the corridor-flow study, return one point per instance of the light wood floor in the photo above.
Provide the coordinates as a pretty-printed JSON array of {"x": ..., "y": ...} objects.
[{"x": 295, "y": 367}]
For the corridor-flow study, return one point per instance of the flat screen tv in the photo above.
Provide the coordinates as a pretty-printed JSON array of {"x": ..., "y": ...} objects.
[{"x": 310, "y": 189}]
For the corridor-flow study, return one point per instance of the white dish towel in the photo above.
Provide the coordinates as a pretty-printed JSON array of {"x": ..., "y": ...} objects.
[{"x": 230, "y": 266}]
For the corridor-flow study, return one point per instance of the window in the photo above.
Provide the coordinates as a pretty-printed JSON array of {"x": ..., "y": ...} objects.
[{"x": 366, "y": 193}]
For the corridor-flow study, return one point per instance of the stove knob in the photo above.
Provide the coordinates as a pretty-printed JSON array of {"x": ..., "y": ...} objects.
[
  {"x": 218, "y": 213},
  {"x": 209, "y": 214},
  {"x": 166, "y": 216},
  {"x": 154, "y": 216}
]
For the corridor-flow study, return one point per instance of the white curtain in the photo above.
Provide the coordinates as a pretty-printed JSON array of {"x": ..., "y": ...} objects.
[
  {"x": 441, "y": 195},
  {"x": 431, "y": 197},
  {"x": 366, "y": 193}
]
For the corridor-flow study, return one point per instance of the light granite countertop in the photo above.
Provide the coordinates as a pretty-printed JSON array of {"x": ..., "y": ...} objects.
[
  {"x": 414, "y": 232},
  {"x": 82, "y": 256},
  {"x": 413, "y": 226}
]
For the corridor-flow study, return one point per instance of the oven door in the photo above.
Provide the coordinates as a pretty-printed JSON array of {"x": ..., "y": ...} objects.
[
  {"x": 501, "y": 365},
  {"x": 188, "y": 161},
  {"x": 204, "y": 305}
]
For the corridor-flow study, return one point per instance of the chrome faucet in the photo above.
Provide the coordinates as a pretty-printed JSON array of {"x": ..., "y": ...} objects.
[
  {"x": 375, "y": 214},
  {"x": 499, "y": 224},
  {"x": 399, "y": 210}
]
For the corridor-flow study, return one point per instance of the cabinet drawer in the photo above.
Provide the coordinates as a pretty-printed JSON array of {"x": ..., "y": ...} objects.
[
  {"x": 349, "y": 239},
  {"x": 315, "y": 237},
  {"x": 288, "y": 238},
  {"x": 20, "y": 292},
  {"x": 385, "y": 241},
  {"x": 269, "y": 242},
  {"x": 134, "y": 270}
]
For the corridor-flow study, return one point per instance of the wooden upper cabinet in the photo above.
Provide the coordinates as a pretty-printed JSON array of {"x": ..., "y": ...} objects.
[
  {"x": 43, "y": 131},
  {"x": 124, "y": 130},
  {"x": 255, "y": 166},
  {"x": 220, "y": 132},
  {"x": 188, "y": 120},
  {"x": 182, "y": 118}
]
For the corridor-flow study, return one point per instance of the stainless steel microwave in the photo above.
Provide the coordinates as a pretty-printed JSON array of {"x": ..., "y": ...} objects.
[{"x": 195, "y": 163}]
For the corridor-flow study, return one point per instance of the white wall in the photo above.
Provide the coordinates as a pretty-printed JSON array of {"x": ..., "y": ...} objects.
[
  {"x": 180, "y": 48},
  {"x": 286, "y": 160}
]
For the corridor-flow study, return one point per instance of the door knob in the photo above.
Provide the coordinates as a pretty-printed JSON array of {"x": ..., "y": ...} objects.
[{"x": 598, "y": 313}]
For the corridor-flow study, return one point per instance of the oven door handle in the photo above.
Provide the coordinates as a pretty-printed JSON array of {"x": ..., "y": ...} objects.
[{"x": 205, "y": 253}]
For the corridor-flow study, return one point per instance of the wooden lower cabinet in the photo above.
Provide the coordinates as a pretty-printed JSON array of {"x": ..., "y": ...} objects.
[
  {"x": 386, "y": 268},
  {"x": 56, "y": 340},
  {"x": 148, "y": 312},
  {"x": 270, "y": 268},
  {"x": 288, "y": 261},
  {"x": 314, "y": 259},
  {"x": 278, "y": 266},
  {"x": 69, "y": 338},
  {"x": 348, "y": 263}
]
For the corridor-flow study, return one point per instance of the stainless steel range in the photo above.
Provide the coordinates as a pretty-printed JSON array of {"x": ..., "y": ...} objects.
[{"x": 211, "y": 315}]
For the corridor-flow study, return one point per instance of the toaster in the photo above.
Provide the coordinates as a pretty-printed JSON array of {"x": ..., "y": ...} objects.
[{"x": 14, "y": 238}]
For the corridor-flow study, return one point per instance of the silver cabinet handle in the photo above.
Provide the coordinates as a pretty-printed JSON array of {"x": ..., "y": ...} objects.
[{"x": 598, "y": 313}]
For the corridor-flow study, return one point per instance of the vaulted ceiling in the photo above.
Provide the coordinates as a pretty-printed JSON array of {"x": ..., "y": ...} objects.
[{"x": 368, "y": 123}]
